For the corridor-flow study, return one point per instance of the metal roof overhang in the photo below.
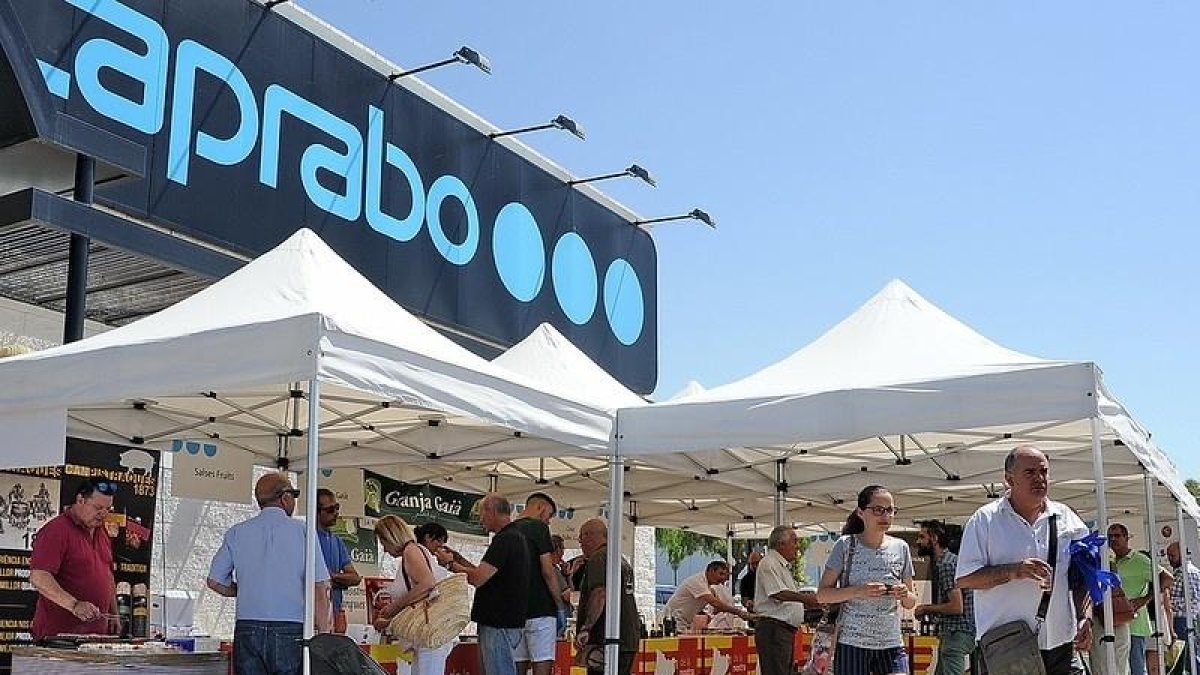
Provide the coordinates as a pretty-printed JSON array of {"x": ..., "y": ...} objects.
[{"x": 134, "y": 269}]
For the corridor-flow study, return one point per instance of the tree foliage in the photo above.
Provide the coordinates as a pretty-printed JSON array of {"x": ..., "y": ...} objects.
[
  {"x": 1193, "y": 487},
  {"x": 679, "y": 544}
]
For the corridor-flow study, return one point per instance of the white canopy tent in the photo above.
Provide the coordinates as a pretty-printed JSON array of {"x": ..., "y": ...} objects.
[
  {"x": 296, "y": 344},
  {"x": 903, "y": 394}
]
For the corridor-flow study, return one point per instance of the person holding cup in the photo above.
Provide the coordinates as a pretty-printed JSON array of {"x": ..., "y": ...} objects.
[{"x": 871, "y": 574}]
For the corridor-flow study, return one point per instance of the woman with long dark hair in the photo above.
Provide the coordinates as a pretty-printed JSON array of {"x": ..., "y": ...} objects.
[{"x": 870, "y": 573}]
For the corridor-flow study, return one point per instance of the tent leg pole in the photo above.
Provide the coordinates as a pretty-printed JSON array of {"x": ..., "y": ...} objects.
[
  {"x": 781, "y": 488},
  {"x": 310, "y": 515},
  {"x": 729, "y": 553},
  {"x": 1159, "y": 625},
  {"x": 613, "y": 583},
  {"x": 1109, "y": 640},
  {"x": 1185, "y": 558}
]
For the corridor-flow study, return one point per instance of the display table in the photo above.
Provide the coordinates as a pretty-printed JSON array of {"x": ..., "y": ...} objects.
[
  {"x": 685, "y": 655},
  {"x": 44, "y": 661}
]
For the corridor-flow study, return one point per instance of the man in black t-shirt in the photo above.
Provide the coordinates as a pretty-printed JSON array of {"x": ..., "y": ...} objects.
[
  {"x": 746, "y": 587},
  {"x": 593, "y": 539},
  {"x": 501, "y": 576},
  {"x": 545, "y": 596}
]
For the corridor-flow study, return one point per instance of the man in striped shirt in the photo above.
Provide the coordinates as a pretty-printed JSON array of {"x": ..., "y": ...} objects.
[{"x": 1179, "y": 588}]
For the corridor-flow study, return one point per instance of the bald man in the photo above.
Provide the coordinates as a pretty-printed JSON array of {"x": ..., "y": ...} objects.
[
  {"x": 501, "y": 580},
  {"x": 593, "y": 539},
  {"x": 261, "y": 563},
  {"x": 1004, "y": 558}
]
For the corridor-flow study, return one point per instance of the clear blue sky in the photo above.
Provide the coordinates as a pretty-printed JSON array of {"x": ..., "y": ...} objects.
[{"x": 1029, "y": 167}]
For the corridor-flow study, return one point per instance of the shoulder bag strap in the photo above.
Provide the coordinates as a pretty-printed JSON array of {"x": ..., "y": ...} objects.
[
  {"x": 844, "y": 581},
  {"x": 1052, "y": 559}
]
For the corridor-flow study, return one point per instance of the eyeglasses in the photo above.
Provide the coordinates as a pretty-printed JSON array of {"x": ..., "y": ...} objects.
[
  {"x": 332, "y": 508},
  {"x": 882, "y": 510}
]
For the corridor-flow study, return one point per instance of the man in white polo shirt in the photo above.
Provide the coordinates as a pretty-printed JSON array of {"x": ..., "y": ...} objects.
[{"x": 1003, "y": 559}]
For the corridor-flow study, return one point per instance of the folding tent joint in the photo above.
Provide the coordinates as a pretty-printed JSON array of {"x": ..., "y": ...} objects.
[
  {"x": 295, "y": 433},
  {"x": 903, "y": 461},
  {"x": 712, "y": 472},
  {"x": 296, "y": 393},
  {"x": 953, "y": 477},
  {"x": 139, "y": 405},
  {"x": 137, "y": 440}
]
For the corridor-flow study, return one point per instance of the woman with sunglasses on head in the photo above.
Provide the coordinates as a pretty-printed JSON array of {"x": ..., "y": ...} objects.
[
  {"x": 871, "y": 574},
  {"x": 416, "y": 576}
]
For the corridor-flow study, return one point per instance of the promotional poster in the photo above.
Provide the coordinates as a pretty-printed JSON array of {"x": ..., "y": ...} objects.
[{"x": 30, "y": 497}]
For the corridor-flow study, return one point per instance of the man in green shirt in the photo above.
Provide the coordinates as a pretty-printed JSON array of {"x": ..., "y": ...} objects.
[
  {"x": 1135, "y": 569},
  {"x": 593, "y": 539}
]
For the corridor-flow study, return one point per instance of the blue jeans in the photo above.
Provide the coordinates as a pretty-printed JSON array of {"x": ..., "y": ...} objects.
[
  {"x": 268, "y": 648},
  {"x": 496, "y": 647},
  {"x": 1180, "y": 626},
  {"x": 1137, "y": 655}
]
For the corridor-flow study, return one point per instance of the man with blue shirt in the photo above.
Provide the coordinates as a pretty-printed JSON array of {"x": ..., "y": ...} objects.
[
  {"x": 342, "y": 574},
  {"x": 261, "y": 563}
]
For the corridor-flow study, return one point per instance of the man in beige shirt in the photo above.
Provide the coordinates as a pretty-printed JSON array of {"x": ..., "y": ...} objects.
[{"x": 779, "y": 603}]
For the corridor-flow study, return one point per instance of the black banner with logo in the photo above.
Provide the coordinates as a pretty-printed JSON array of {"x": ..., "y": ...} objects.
[
  {"x": 422, "y": 503},
  {"x": 30, "y": 497}
]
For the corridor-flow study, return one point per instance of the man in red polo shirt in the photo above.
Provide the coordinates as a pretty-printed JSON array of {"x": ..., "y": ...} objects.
[{"x": 72, "y": 567}]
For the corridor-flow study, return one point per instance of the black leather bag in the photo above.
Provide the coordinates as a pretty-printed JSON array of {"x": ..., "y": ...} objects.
[{"x": 1012, "y": 648}]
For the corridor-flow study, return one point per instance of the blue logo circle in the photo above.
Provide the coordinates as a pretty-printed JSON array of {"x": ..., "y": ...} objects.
[
  {"x": 519, "y": 252},
  {"x": 623, "y": 303},
  {"x": 450, "y": 186},
  {"x": 574, "y": 273}
]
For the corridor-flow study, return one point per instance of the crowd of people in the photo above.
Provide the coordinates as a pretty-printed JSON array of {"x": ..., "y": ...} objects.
[{"x": 1002, "y": 571}]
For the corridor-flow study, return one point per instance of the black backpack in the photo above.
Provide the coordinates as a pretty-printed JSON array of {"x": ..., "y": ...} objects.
[{"x": 331, "y": 654}]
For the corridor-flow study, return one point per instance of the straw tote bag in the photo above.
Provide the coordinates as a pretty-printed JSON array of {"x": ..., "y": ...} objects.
[{"x": 436, "y": 619}]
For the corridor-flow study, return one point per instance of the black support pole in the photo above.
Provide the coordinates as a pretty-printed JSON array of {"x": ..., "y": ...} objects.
[{"x": 77, "y": 266}]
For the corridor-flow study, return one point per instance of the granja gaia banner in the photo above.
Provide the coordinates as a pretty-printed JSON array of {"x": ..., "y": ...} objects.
[
  {"x": 422, "y": 503},
  {"x": 253, "y": 122}
]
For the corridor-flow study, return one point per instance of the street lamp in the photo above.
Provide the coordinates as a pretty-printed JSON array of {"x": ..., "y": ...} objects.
[
  {"x": 463, "y": 55},
  {"x": 561, "y": 122},
  {"x": 694, "y": 214},
  {"x": 633, "y": 171}
]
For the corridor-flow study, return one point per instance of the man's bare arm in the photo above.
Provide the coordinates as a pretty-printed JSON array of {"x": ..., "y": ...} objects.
[
  {"x": 808, "y": 598},
  {"x": 1034, "y": 569}
]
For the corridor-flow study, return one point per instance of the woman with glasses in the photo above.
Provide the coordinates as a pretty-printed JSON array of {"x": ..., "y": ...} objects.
[
  {"x": 870, "y": 573},
  {"x": 415, "y": 578}
]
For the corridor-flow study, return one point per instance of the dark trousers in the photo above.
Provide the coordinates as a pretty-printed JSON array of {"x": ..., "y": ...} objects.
[
  {"x": 268, "y": 648},
  {"x": 624, "y": 664},
  {"x": 773, "y": 640},
  {"x": 1060, "y": 660}
]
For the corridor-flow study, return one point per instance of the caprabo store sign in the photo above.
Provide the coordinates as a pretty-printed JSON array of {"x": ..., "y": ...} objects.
[{"x": 258, "y": 123}]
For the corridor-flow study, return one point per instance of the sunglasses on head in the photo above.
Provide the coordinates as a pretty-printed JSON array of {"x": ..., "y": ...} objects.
[
  {"x": 104, "y": 487},
  {"x": 290, "y": 491}
]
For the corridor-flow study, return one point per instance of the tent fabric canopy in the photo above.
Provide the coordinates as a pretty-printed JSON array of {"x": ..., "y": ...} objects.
[
  {"x": 230, "y": 363},
  {"x": 905, "y": 394}
]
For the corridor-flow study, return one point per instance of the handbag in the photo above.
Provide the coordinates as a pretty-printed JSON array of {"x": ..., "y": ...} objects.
[
  {"x": 1121, "y": 607},
  {"x": 437, "y": 618},
  {"x": 1012, "y": 648},
  {"x": 824, "y": 639}
]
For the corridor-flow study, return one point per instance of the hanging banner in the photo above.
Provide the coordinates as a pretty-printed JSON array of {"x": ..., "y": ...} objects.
[
  {"x": 135, "y": 471},
  {"x": 30, "y": 497},
  {"x": 417, "y": 504},
  {"x": 346, "y": 484},
  {"x": 211, "y": 470}
]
